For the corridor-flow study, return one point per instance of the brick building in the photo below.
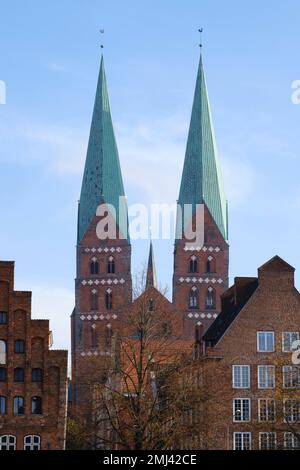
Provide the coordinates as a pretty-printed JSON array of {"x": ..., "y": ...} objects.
[
  {"x": 252, "y": 379},
  {"x": 103, "y": 286},
  {"x": 33, "y": 378}
]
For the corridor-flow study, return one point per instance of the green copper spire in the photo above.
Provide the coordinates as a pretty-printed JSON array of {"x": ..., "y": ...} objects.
[
  {"x": 151, "y": 280},
  {"x": 102, "y": 179},
  {"x": 201, "y": 178}
]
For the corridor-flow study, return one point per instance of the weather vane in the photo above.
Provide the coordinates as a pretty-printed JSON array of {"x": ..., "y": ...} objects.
[
  {"x": 200, "y": 32},
  {"x": 102, "y": 32}
]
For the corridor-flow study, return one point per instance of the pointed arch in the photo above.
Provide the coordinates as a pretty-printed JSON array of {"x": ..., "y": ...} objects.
[
  {"x": 210, "y": 265},
  {"x": 94, "y": 299},
  {"x": 94, "y": 266},
  {"x": 108, "y": 299},
  {"x": 193, "y": 264},
  {"x": 210, "y": 300},
  {"x": 111, "y": 267},
  {"x": 194, "y": 298}
]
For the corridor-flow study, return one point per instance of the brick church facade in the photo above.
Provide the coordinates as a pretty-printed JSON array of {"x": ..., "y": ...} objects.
[{"x": 103, "y": 286}]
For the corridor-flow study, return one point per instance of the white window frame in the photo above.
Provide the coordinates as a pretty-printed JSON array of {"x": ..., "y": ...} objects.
[
  {"x": 293, "y": 438},
  {"x": 7, "y": 444},
  {"x": 242, "y": 420},
  {"x": 243, "y": 434},
  {"x": 268, "y": 434},
  {"x": 265, "y": 341},
  {"x": 267, "y": 400},
  {"x": 258, "y": 377},
  {"x": 296, "y": 414},
  {"x": 31, "y": 445},
  {"x": 241, "y": 376},
  {"x": 290, "y": 341},
  {"x": 292, "y": 370}
]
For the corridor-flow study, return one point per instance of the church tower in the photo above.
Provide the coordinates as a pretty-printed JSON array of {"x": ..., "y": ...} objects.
[
  {"x": 103, "y": 280},
  {"x": 201, "y": 270}
]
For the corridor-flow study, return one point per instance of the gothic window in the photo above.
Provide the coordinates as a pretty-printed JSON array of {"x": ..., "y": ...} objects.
[
  {"x": 19, "y": 346},
  {"x": 210, "y": 265},
  {"x": 108, "y": 336},
  {"x": 108, "y": 299},
  {"x": 19, "y": 374},
  {"x": 151, "y": 305},
  {"x": 94, "y": 266},
  {"x": 94, "y": 300},
  {"x": 210, "y": 301},
  {"x": 198, "y": 331},
  {"x": 194, "y": 298},
  {"x": 2, "y": 352},
  {"x": 111, "y": 265},
  {"x": 94, "y": 336},
  {"x": 18, "y": 406},
  {"x": 193, "y": 265},
  {"x": 36, "y": 405}
]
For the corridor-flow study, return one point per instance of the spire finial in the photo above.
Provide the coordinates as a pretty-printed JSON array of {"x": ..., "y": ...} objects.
[
  {"x": 200, "y": 33},
  {"x": 101, "y": 32}
]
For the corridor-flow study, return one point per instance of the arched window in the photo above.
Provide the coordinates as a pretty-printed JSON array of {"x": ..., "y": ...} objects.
[
  {"x": 37, "y": 375},
  {"x": 19, "y": 374},
  {"x": 198, "y": 332},
  {"x": 2, "y": 405},
  {"x": 36, "y": 405},
  {"x": 3, "y": 374},
  {"x": 32, "y": 442},
  {"x": 210, "y": 265},
  {"x": 94, "y": 300},
  {"x": 19, "y": 346},
  {"x": 94, "y": 336},
  {"x": 151, "y": 305},
  {"x": 2, "y": 352},
  {"x": 94, "y": 266},
  {"x": 210, "y": 301},
  {"x": 194, "y": 298},
  {"x": 193, "y": 264},
  {"x": 7, "y": 442},
  {"x": 111, "y": 265},
  {"x": 18, "y": 406},
  {"x": 108, "y": 299},
  {"x": 108, "y": 336}
]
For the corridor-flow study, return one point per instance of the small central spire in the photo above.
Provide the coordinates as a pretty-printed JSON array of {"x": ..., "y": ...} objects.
[{"x": 151, "y": 280}]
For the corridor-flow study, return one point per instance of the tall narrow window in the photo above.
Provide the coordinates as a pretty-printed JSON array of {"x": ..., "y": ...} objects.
[
  {"x": 18, "y": 406},
  {"x": 111, "y": 265},
  {"x": 108, "y": 299},
  {"x": 32, "y": 442},
  {"x": 94, "y": 300},
  {"x": 210, "y": 265},
  {"x": 194, "y": 298},
  {"x": 19, "y": 346},
  {"x": 2, "y": 352},
  {"x": 210, "y": 300},
  {"x": 193, "y": 265},
  {"x": 108, "y": 336},
  {"x": 36, "y": 405},
  {"x": 2, "y": 405},
  {"x": 94, "y": 266},
  {"x": 94, "y": 336}
]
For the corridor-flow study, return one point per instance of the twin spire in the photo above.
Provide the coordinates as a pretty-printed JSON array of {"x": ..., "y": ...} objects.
[
  {"x": 201, "y": 178},
  {"x": 102, "y": 179}
]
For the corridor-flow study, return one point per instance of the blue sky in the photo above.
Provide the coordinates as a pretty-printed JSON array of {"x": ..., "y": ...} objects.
[{"x": 49, "y": 60}]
